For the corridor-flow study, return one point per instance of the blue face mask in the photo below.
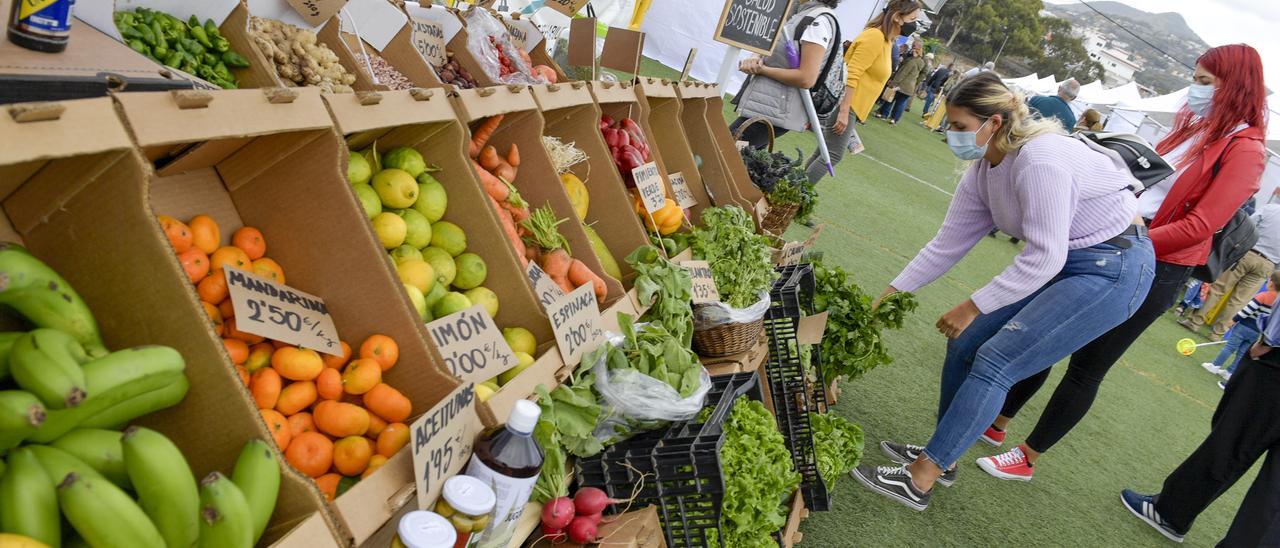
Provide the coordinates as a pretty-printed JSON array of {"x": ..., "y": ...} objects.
[
  {"x": 965, "y": 143},
  {"x": 1200, "y": 99}
]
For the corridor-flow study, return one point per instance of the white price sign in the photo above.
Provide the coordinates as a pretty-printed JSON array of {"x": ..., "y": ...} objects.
[
  {"x": 741, "y": 145},
  {"x": 680, "y": 187},
  {"x": 442, "y": 440},
  {"x": 433, "y": 28},
  {"x": 575, "y": 320},
  {"x": 649, "y": 184},
  {"x": 471, "y": 345},
  {"x": 279, "y": 312},
  {"x": 525, "y": 34},
  {"x": 316, "y": 12},
  {"x": 704, "y": 286},
  {"x": 544, "y": 289}
]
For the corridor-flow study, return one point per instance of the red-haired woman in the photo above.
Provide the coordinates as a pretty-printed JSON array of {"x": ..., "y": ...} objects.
[{"x": 1217, "y": 146}]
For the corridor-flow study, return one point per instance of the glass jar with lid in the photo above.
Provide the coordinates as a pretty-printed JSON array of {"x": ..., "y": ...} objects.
[{"x": 468, "y": 504}]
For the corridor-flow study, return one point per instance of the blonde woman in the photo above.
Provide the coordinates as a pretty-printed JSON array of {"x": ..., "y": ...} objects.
[{"x": 1086, "y": 267}]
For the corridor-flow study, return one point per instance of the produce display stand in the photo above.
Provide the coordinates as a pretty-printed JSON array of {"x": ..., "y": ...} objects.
[
  {"x": 572, "y": 116},
  {"x": 400, "y": 54},
  {"x": 715, "y": 174},
  {"x": 790, "y": 534},
  {"x": 523, "y": 126},
  {"x": 77, "y": 194},
  {"x": 663, "y": 107},
  {"x": 634, "y": 529},
  {"x": 538, "y": 49},
  {"x": 737, "y": 170},
  {"x": 620, "y": 100},
  {"x": 257, "y": 158}
]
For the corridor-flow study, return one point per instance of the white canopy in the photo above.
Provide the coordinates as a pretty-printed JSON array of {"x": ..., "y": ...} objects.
[
  {"x": 1046, "y": 86},
  {"x": 1096, "y": 95},
  {"x": 1273, "y": 122},
  {"x": 1161, "y": 103},
  {"x": 1025, "y": 82}
]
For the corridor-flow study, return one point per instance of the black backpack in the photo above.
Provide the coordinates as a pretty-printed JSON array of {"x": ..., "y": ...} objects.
[
  {"x": 826, "y": 92},
  {"x": 1230, "y": 244},
  {"x": 1133, "y": 151}
]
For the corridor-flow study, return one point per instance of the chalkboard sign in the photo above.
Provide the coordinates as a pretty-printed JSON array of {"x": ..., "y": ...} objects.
[{"x": 752, "y": 25}]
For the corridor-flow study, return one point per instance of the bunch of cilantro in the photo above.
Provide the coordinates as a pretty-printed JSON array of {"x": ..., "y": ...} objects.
[
  {"x": 741, "y": 263},
  {"x": 838, "y": 444},
  {"x": 852, "y": 345},
  {"x": 758, "y": 478}
]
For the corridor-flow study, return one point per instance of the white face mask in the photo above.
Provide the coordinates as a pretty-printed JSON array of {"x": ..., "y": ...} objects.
[{"x": 1200, "y": 99}]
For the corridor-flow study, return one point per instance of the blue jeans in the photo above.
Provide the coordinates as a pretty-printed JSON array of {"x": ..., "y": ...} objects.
[
  {"x": 929, "y": 95},
  {"x": 1192, "y": 297},
  {"x": 1241, "y": 337},
  {"x": 1098, "y": 288},
  {"x": 897, "y": 106}
]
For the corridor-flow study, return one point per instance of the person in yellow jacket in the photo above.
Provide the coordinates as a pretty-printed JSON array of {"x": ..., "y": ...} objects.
[{"x": 869, "y": 63}]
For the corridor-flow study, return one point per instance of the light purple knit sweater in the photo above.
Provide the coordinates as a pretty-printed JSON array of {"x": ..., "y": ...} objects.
[{"x": 1054, "y": 193}]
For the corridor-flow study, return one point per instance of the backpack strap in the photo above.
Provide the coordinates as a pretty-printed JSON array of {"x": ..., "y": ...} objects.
[{"x": 831, "y": 49}]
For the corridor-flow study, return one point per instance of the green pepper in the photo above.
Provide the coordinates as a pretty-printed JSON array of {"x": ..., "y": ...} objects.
[
  {"x": 131, "y": 33},
  {"x": 226, "y": 84},
  {"x": 198, "y": 33},
  {"x": 148, "y": 36},
  {"x": 139, "y": 46},
  {"x": 147, "y": 16},
  {"x": 191, "y": 46},
  {"x": 221, "y": 45},
  {"x": 174, "y": 59},
  {"x": 206, "y": 73},
  {"x": 234, "y": 60},
  {"x": 161, "y": 51},
  {"x": 208, "y": 59},
  {"x": 158, "y": 30},
  {"x": 126, "y": 18},
  {"x": 222, "y": 71},
  {"x": 211, "y": 30}
]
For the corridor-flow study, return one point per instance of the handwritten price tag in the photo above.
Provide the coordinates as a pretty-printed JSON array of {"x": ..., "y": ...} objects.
[
  {"x": 680, "y": 187},
  {"x": 524, "y": 33},
  {"x": 792, "y": 252},
  {"x": 277, "y": 311},
  {"x": 552, "y": 24},
  {"x": 432, "y": 30},
  {"x": 650, "y": 185},
  {"x": 704, "y": 286},
  {"x": 442, "y": 440},
  {"x": 471, "y": 345},
  {"x": 544, "y": 289},
  {"x": 316, "y": 12},
  {"x": 567, "y": 7},
  {"x": 741, "y": 145},
  {"x": 575, "y": 320}
]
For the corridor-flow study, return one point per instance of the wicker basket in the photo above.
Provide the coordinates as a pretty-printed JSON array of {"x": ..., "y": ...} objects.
[
  {"x": 727, "y": 339},
  {"x": 779, "y": 218}
]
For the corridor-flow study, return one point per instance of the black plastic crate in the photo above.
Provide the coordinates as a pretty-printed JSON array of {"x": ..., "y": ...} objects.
[
  {"x": 794, "y": 396},
  {"x": 680, "y": 466}
]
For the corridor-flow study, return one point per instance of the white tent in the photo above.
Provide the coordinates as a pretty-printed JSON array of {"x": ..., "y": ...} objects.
[
  {"x": 1046, "y": 86},
  {"x": 1095, "y": 95},
  {"x": 1161, "y": 103},
  {"x": 1025, "y": 82},
  {"x": 1273, "y": 122}
]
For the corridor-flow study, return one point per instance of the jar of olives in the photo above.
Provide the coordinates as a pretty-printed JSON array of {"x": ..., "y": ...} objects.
[
  {"x": 468, "y": 505},
  {"x": 420, "y": 529}
]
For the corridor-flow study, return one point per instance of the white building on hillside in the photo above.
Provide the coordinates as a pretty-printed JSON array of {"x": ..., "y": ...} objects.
[{"x": 1118, "y": 63}]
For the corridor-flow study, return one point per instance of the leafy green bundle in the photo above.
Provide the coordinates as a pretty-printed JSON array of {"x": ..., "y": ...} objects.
[
  {"x": 758, "y": 477},
  {"x": 852, "y": 345},
  {"x": 838, "y": 444},
  {"x": 740, "y": 260},
  {"x": 653, "y": 350},
  {"x": 782, "y": 179},
  {"x": 666, "y": 289},
  {"x": 569, "y": 416}
]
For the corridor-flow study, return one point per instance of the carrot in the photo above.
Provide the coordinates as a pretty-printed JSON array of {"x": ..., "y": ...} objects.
[
  {"x": 489, "y": 158},
  {"x": 504, "y": 171},
  {"x": 579, "y": 274},
  {"x": 493, "y": 186},
  {"x": 483, "y": 133},
  {"x": 556, "y": 262},
  {"x": 509, "y": 228},
  {"x": 513, "y": 156},
  {"x": 518, "y": 214}
]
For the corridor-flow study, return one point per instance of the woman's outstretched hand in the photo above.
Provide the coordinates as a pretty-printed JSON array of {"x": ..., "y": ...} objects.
[
  {"x": 887, "y": 291},
  {"x": 954, "y": 322}
]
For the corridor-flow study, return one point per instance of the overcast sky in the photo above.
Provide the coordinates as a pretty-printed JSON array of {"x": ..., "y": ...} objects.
[{"x": 1254, "y": 22}]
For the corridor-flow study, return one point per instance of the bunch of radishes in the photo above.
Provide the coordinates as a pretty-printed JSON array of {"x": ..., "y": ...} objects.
[{"x": 577, "y": 517}]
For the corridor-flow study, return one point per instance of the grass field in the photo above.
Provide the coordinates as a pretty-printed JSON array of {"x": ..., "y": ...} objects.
[{"x": 1153, "y": 410}]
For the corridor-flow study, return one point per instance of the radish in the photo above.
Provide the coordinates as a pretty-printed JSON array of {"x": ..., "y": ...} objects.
[
  {"x": 582, "y": 529},
  {"x": 556, "y": 536},
  {"x": 591, "y": 500},
  {"x": 558, "y": 513}
]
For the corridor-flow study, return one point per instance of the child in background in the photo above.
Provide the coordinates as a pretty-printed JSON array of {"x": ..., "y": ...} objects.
[
  {"x": 1193, "y": 299},
  {"x": 1245, "y": 331}
]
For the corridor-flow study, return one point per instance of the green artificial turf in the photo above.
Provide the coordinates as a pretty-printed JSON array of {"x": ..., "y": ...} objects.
[{"x": 1151, "y": 412}]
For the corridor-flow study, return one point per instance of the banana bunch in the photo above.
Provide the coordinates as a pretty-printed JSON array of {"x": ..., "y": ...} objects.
[
  {"x": 39, "y": 294},
  {"x": 132, "y": 489}
]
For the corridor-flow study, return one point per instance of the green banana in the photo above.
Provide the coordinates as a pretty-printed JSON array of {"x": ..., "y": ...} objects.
[
  {"x": 100, "y": 449},
  {"x": 21, "y": 414},
  {"x": 29, "y": 501},
  {"x": 46, "y": 362},
  {"x": 6, "y": 344},
  {"x": 224, "y": 514},
  {"x": 119, "y": 415},
  {"x": 104, "y": 514},
  {"x": 45, "y": 298},
  {"x": 257, "y": 474},
  {"x": 58, "y": 463},
  {"x": 112, "y": 379},
  {"x": 165, "y": 485}
]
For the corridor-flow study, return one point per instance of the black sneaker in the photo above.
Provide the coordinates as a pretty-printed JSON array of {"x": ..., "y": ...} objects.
[
  {"x": 893, "y": 482},
  {"x": 905, "y": 453},
  {"x": 1144, "y": 507}
]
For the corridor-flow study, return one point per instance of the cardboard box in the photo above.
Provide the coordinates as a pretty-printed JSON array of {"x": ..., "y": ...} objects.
[
  {"x": 77, "y": 194},
  {"x": 400, "y": 53},
  {"x": 715, "y": 174},
  {"x": 245, "y": 160},
  {"x": 538, "y": 51},
  {"x": 620, "y": 100},
  {"x": 537, "y": 182},
  {"x": 729, "y": 150},
  {"x": 664, "y": 107},
  {"x": 749, "y": 360},
  {"x": 572, "y": 116}
]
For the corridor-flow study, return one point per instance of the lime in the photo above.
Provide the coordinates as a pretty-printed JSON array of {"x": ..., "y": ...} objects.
[
  {"x": 390, "y": 229},
  {"x": 442, "y": 263},
  {"x": 406, "y": 159},
  {"x": 471, "y": 271},
  {"x": 419, "y": 228},
  {"x": 523, "y": 361},
  {"x": 483, "y": 296},
  {"x": 405, "y": 252},
  {"x": 417, "y": 273},
  {"x": 432, "y": 199},
  {"x": 369, "y": 200},
  {"x": 358, "y": 168},
  {"x": 452, "y": 302},
  {"x": 419, "y": 301},
  {"x": 449, "y": 237},
  {"x": 520, "y": 340},
  {"x": 437, "y": 292},
  {"x": 483, "y": 392}
]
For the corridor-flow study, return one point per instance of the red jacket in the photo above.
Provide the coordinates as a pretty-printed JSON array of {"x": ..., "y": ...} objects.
[{"x": 1200, "y": 204}]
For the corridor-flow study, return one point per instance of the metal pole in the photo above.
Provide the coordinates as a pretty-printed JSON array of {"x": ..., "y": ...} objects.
[{"x": 727, "y": 65}]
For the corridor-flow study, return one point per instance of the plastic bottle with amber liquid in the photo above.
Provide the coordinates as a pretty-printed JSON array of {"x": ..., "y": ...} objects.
[{"x": 509, "y": 460}]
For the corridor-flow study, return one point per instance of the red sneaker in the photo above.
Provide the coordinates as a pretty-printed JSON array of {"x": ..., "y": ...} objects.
[
  {"x": 993, "y": 437},
  {"x": 1011, "y": 465}
]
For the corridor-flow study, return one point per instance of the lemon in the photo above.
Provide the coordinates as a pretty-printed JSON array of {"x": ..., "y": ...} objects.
[
  {"x": 390, "y": 228},
  {"x": 369, "y": 200},
  {"x": 432, "y": 199},
  {"x": 419, "y": 228},
  {"x": 358, "y": 168},
  {"x": 520, "y": 340},
  {"x": 483, "y": 296},
  {"x": 417, "y": 273},
  {"x": 471, "y": 271},
  {"x": 395, "y": 187},
  {"x": 523, "y": 361},
  {"x": 442, "y": 263},
  {"x": 449, "y": 237},
  {"x": 452, "y": 302},
  {"x": 438, "y": 291},
  {"x": 483, "y": 392},
  {"x": 419, "y": 301},
  {"x": 405, "y": 252},
  {"x": 406, "y": 159}
]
